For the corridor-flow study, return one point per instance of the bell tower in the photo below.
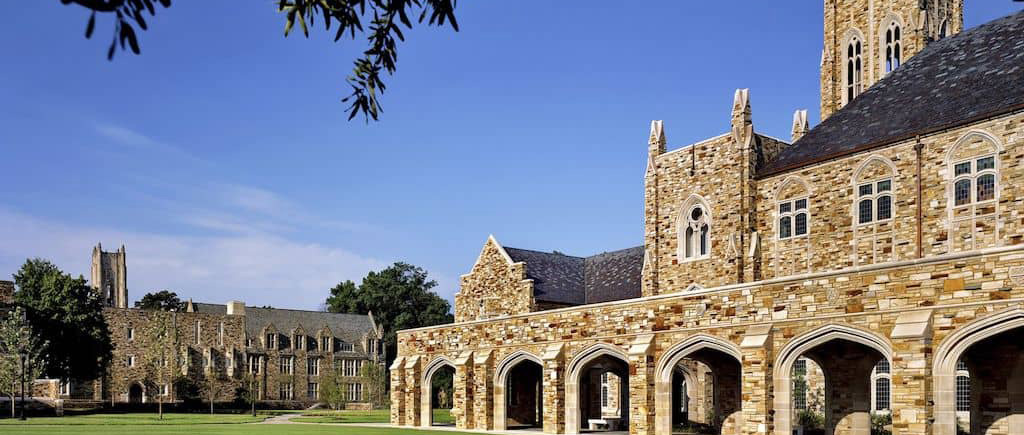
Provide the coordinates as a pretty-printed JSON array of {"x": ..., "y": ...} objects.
[
  {"x": 867, "y": 39},
  {"x": 109, "y": 276}
]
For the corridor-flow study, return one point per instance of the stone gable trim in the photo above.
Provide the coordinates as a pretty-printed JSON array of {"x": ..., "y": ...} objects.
[
  {"x": 687, "y": 147},
  {"x": 998, "y": 250},
  {"x": 501, "y": 249}
]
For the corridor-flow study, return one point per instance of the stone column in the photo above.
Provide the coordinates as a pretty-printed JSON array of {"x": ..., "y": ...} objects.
[
  {"x": 554, "y": 389},
  {"x": 398, "y": 392},
  {"x": 757, "y": 381},
  {"x": 911, "y": 396},
  {"x": 641, "y": 386},
  {"x": 483, "y": 396},
  {"x": 412, "y": 391},
  {"x": 464, "y": 388}
]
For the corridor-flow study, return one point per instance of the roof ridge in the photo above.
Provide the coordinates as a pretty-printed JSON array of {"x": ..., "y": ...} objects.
[{"x": 545, "y": 252}]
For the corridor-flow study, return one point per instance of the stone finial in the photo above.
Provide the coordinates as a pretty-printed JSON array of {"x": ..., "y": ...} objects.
[
  {"x": 742, "y": 122},
  {"x": 800, "y": 125},
  {"x": 189, "y": 307},
  {"x": 657, "y": 140}
]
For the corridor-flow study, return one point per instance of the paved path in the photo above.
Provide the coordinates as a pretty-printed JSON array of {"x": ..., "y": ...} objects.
[{"x": 281, "y": 419}]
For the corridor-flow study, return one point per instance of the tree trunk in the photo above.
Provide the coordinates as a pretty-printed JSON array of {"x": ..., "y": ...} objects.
[
  {"x": 211, "y": 405},
  {"x": 13, "y": 409},
  {"x": 160, "y": 407}
]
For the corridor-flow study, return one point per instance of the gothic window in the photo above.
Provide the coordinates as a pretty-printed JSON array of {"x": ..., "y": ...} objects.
[
  {"x": 313, "y": 390},
  {"x": 874, "y": 201},
  {"x": 325, "y": 344},
  {"x": 313, "y": 367},
  {"x": 604, "y": 389},
  {"x": 131, "y": 333},
  {"x": 881, "y": 396},
  {"x": 800, "y": 384},
  {"x": 254, "y": 364},
  {"x": 695, "y": 241},
  {"x": 355, "y": 392},
  {"x": 854, "y": 68},
  {"x": 297, "y": 340},
  {"x": 963, "y": 387},
  {"x": 285, "y": 392},
  {"x": 65, "y": 388},
  {"x": 271, "y": 341},
  {"x": 974, "y": 181},
  {"x": 793, "y": 218},
  {"x": 286, "y": 366},
  {"x": 893, "y": 47}
]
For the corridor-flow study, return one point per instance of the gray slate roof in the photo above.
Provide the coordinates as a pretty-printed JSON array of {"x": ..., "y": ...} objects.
[
  {"x": 570, "y": 280},
  {"x": 971, "y": 76},
  {"x": 349, "y": 328}
]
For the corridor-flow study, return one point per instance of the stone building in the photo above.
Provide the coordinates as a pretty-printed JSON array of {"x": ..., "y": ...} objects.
[
  {"x": 878, "y": 256},
  {"x": 220, "y": 348}
]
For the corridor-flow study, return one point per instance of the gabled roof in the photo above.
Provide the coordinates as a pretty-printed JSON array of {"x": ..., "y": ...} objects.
[
  {"x": 349, "y": 328},
  {"x": 965, "y": 78},
  {"x": 571, "y": 280}
]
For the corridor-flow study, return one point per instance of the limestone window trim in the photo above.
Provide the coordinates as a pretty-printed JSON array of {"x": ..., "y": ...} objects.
[
  {"x": 882, "y": 372},
  {"x": 131, "y": 333},
  {"x": 853, "y": 66},
  {"x": 878, "y": 196},
  {"x": 890, "y": 39},
  {"x": 65, "y": 387},
  {"x": 694, "y": 230},
  {"x": 793, "y": 221},
  {"x": 965, "y": 177}
]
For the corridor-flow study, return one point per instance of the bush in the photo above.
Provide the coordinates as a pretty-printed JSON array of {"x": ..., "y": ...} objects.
[
  {"x": 810, "y": 420},
  {"x": 881, "y": 424}
]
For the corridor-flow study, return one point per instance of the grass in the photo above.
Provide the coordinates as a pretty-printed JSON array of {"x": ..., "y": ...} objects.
[{"x": 205, "y": 424}]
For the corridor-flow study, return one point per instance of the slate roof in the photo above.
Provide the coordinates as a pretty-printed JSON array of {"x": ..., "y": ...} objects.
[
  {"x": 349, "y": 328},
  {"x": 566, "y": 279},
  {"x": 974, "y": 75}
]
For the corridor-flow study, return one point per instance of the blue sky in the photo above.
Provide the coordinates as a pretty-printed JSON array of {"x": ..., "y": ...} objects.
[{"x": 221, "y": 156}]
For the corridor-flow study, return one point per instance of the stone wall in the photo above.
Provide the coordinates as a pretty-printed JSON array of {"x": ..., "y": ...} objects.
[
  {"x": 6, "y": 292},
  {"x": 495, "y": 287}
]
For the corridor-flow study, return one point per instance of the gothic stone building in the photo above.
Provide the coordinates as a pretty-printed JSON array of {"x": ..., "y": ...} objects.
[
  {"x": 878, "y": 258},
  {"x": 220, "y": 347}
]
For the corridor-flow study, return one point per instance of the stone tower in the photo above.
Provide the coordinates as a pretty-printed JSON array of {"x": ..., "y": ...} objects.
[
  {"x": 109, "y": 276},
  {"x": 865, "y": 39}
]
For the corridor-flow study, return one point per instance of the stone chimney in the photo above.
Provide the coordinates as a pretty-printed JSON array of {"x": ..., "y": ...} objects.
[
  {"x": 6, "y": 292},
  {"x": 236, "y": 308}
]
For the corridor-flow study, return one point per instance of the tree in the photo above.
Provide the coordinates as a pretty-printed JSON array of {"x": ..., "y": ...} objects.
[
  {"x": 399, "y": 297},
  {"x": 333, "y": 390},
  {"x": 163, "y": 300},
  {"x": 376, "y": 379},
  {"x": 64, "y": 310},
  {"x": 249, "y": 390},
  {"x": 214, "y": 387},
  {"x": 17, "y": 338},
  {"x": 162, "y": 360},
  {"x": 384, "y": 19}
]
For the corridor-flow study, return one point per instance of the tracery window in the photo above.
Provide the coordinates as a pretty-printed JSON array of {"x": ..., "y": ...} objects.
[
  {"x": 881, "y": 386},
  {"x": 697, "y": 230},
  {"x": 874, "y": 201},
  {"x": 854, "y": 68},
  {"x": 793, "y": 218},
  {"x": 604, "y": 389},
  {"x": 893, "y": 47},
  {"x": 974, "y": 181}
]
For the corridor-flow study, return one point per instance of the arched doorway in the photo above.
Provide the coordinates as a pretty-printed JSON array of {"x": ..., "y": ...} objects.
[
  {"x": 438, "y": 394},
  {"x": 847, "y": 357},
  {"x": 135, "y": 394},
  {"x": 979, "y": 377},
  {"x": 519, "y": 393},
  {"x": 597, "y": 391},
  {"x": 698, "y": 387}
]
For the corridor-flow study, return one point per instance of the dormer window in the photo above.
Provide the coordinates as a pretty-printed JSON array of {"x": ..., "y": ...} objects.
[
  {"x": 893, "y": 47},
  {"x": 325, "y": 344},
  {"x": 297, "y": 341},
  {"x": 271, "y": 341}
]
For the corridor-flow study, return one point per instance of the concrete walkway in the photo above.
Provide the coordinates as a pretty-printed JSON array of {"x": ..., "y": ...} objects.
[{"x": 281, "y": 419}]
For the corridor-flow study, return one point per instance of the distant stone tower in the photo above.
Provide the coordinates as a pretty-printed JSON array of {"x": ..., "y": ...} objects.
[
  {"x": 865, "y": 39},
  {"x": 109, "y": 276}
]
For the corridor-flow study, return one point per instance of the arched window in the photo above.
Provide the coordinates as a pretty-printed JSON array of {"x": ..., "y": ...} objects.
[
  {"x": 696, "y": 242},
  {"x": 893, "y": 47},
  {"x": 854, "y": 68},
  {"x": 874, "y": 201},
  {"x": 793, "y": 218},
  {"x": 880, "y": 384},
  {"x": 974, "y": 181},
  {"x": 963, "y": 387}
]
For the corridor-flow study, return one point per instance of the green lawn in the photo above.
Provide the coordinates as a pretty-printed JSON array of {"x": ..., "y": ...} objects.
[{"x": 205, "y": 424}]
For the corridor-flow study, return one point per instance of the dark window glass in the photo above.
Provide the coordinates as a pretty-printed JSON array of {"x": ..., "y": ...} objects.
[
  {"x": 963, "y": 393},
  {"x": 986, "y": 187},
  {"x": 785, "y": 207},
  {"x": 962, "y": 168},
  {"x": 882, "y": 367},
  {"x": 962, "y": 192},
  {"x": 785, "y": 227},
  {"x": 884, "y": 207},
  {"x": 800, "y": 224},
  {"x": 884, "y": 186},
  {"x": 801, "y": 204},
  {"x": 881, "y": 393},
  {"x": 864, "y": 209},
  {"x": 986, "y": 163},
  {"x": 864, "y": 190}
]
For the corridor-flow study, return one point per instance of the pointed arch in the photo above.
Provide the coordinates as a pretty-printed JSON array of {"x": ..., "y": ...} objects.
[
  {"x": 973, "y": 134},
  {"x": 950, "y": 350},
  {"x": 790, "y": 210},
  {"x": 427, "y": 391},
  {"x": 799, "y": 345},
  {"x": 890, "y": 43},
  {"x": 852, "y": 51},
  {"x": 502, "y": 370},
  {"x": 573, "y": 413},
  {"x": 789, "y": 181},
  {"x": 666, "y": 367}
]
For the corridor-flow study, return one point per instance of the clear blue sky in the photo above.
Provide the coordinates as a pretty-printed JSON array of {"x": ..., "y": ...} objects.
[{"x": 221, "y": 156}]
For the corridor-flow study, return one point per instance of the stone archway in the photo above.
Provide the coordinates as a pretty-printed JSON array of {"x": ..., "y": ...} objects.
[
  {"x": 427, "y": 393},
  {"x": 135, "y": 393},
  {"x": 724, "y": 360},
  {"x": 846, "y": 355},
  {"x": 992, "y": 349},
  {"x": 518, "y": 387},
  {"x": 602, "y": 358}
]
